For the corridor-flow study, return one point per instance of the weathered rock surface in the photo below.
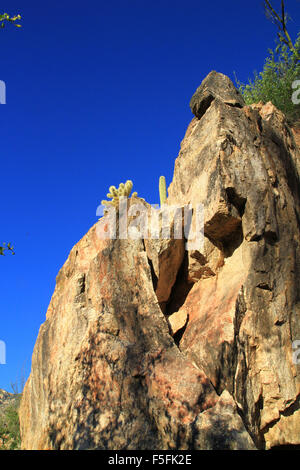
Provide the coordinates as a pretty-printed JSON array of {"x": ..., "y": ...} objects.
[
  {"x": 242, "y": 164},
  {"x": 215, "y": 86},
  {"x": 106, "y": 374},
  {"x": 296, "y": 133},
  {"x": 149, "y": 346}
]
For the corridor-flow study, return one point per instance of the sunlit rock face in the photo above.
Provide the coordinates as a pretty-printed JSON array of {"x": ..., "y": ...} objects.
[
  {"x": 242, "y": 164},
  {"x": 160, "y": 344}
]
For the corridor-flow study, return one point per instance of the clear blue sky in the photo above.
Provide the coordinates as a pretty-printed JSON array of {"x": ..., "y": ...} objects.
[{"x": 97, "y": 93}]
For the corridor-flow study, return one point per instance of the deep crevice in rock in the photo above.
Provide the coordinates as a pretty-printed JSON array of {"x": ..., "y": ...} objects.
[
  {"x": 270, "y": 237},
  {"x": 243, "y": 418},
  {"x": 236, "y": 200},
  {"x": 240, "y": 379},
  {"x": 205, "y": 104},
  {"x": 260, "y": 123},
  {"x": 234, "y": 105},
  {"x": 153, "y": 275},
  {"x": 178, "y": 294},
  {"x": 264, "y": 286},
  {"x": 180, "y": 289}
]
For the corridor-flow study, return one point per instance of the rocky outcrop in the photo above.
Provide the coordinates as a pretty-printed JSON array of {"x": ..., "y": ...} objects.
[
  {"x": 215, "y": 86},
  {"x": 149, "y": 345},
  {"x": 243, "y": 318},
  {"x": 296, "y": 133}
]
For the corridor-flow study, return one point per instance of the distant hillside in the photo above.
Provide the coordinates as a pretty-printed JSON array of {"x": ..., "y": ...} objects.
[
  {"x": 6, "y": 399},
  {"x": 9, "y": 420}
]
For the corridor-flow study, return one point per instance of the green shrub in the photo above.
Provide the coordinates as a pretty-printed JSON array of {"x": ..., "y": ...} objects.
[
  {"x": 274, "y": 83},
  {"x": 9, "y": 426}
]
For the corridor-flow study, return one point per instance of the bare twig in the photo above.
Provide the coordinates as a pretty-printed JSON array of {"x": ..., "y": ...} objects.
[{"x": 280, "y": 22}]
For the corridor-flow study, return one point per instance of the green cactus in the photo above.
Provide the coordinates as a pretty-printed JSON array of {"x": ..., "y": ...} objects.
[
  {"x": 162, "y": 190},
  {"x": 114, "y": 193}
]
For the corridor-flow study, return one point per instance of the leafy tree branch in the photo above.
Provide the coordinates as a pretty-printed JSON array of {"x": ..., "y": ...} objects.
[
  {"x": 280, "y": 72},
  {"x": 5, "y": 18},
  {"x": 280, "y": 22}
]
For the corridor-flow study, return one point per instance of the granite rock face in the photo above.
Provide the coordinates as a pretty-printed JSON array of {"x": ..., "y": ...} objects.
[
  {"x": 106, "y": 373},
  {"x": 149, "y": 345},
  {"x": 242, "y": 164}
]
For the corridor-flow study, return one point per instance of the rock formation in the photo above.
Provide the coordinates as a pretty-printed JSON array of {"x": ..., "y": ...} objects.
[{"x": 149, "y": 345}]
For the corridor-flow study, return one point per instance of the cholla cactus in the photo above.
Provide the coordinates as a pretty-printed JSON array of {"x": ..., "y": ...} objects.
[{"x": 114, "y": 193}]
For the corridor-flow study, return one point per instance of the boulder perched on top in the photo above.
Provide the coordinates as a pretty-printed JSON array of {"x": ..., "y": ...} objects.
[{"x": 215, "y": 86}]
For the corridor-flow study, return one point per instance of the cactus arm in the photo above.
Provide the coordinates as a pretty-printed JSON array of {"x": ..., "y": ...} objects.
[
  {"x": 114, "y": 193},
  {"x": 162, "y": 190}
]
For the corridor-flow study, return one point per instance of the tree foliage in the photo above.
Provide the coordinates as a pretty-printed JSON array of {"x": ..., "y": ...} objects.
[
  {"x": 5, "y": 18},
  {"x": 6, "y": 247},
  {"x": 10, "y": 427},
  {"x": 280, "y": 71}
]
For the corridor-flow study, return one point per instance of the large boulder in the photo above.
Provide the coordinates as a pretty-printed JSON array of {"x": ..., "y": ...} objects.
[
  {"x": 162, "y": 344},
  {"x": 242, "y": 164},
  {"x": 216, "y": 86},
  {"x": 106, "y": 373}
]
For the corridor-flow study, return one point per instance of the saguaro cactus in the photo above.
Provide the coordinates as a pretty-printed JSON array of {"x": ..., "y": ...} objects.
[
  {"x": 162, "y": 190},
  {"x": 114, "y": 193}
]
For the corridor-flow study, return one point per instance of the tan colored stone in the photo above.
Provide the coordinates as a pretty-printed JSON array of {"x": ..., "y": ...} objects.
[
  {"x": 286, "y": 431},
  {"x": 106, "y": 372},
  {"x": 242, "y": 164},
  {"x": 166, "y": 257},
  {"x": 221, "y": 427},
  {"x": 178, "y": 320}
]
